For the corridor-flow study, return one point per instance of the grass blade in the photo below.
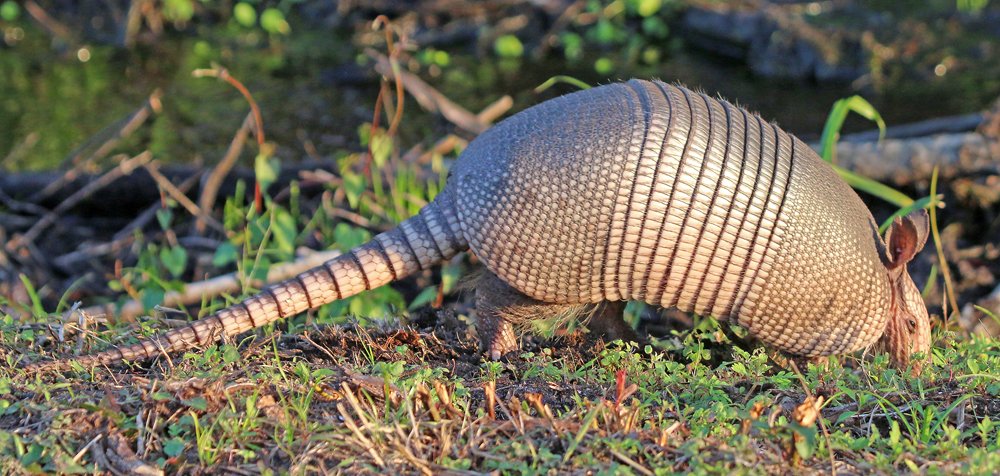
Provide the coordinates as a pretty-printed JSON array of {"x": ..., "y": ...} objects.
[
  {"x": 874, "y": 188},
  {"x": 561, "y": 78},
  {"x": 945, "y": 272},
  {"x": 831, "y": 131}
]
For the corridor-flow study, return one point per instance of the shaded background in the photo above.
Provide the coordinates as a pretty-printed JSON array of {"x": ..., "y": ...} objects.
[{"x": 77, "y": 67}]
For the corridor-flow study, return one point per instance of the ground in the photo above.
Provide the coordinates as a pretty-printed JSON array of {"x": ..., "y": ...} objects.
[{"x": 418, "y": 398}]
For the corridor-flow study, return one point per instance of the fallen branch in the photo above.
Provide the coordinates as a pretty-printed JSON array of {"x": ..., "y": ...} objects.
[
  {"x": 20, "y": 150},
  {"x": 51, "y": 24},
  {"x": 940, "y": 125},
  {"x": 258, "y": 119},
  {"x": 909, "y": 161},
  {"x": 167, "y": 186},
  {"x": 124, "y": 168},
  {"x": 231, "y": 283},
  {"x": 488, "y": 115},
  {"x": 123, "y": 238},
  {"x": 114, "y": 133},
  {"x": 136, "y": 191}
]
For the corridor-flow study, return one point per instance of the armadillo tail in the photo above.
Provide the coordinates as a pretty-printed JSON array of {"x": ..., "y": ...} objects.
[{"x": 428, "y": 238}]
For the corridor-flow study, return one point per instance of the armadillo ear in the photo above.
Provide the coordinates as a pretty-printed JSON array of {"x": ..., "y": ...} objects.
[{"x": 906, "y": 237}]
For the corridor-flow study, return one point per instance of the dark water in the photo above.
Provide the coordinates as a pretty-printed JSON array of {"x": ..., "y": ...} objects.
[{"x": 315, "y": 94}]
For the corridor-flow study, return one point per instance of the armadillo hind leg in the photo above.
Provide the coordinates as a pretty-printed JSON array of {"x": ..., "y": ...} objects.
[
  {"x": 501, "y": 308},
  {"x": 498, "y": 308}
]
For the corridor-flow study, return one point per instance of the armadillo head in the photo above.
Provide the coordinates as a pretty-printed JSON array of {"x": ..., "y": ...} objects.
[{"x": 908, "y": 330}]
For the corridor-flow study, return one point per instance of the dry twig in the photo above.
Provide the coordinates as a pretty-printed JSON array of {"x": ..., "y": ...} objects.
[
  {"x": 167, "y": 186},
  {"x": 213, "y": 182},
  {"x": 258, "y": 119}
]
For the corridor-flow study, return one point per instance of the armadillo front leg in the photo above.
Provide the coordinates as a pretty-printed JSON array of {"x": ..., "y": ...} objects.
[{"x": 607, "y": 322}]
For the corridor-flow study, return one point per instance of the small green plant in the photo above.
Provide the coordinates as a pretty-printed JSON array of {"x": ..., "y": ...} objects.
[
  {"x": 971, "y": 6},
  {"x": 508, "y": 46},
  {"x": 272, "y": 20},
  {"x": 9, "y": 11},
  {"x": 619, "y": 32}
]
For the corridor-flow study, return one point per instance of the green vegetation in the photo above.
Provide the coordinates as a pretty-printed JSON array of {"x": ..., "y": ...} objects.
[{"x": 419, "y": 398}]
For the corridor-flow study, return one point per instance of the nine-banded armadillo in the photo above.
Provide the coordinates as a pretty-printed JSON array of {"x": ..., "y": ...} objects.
[{"x": 636, "y": 191}]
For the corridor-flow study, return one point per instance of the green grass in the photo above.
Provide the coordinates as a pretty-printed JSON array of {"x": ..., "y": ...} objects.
[{"x": 416, "y": 400}]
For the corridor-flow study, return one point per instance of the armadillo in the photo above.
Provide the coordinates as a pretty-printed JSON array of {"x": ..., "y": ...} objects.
[{"x": 640, "y": 191}]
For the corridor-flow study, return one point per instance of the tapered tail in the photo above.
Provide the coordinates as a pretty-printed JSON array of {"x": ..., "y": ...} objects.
[{"x": 428, "y": 238}]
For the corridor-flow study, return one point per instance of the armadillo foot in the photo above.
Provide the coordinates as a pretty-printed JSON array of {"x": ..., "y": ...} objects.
[
  {"x": 785, "y": 360},
  {"x": 607, "y": 322},
  {"x": 497, "y": 304}
]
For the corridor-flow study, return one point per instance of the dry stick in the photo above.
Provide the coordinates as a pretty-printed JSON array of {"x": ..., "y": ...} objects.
[
  {"x": 394, "y": 63},
  {"x": 558, "y": 26},
  {"x": 909, "y": 160},
  {"x": 167, "y": 186},
  {"x": 227, "y": 283},
  {"x": 18, "y": 206},
  {"x": 133, "y": 22},
  {"x": 21, "y": 148},
  {"x": 213, "y": 182},
  {"x": 124, "y": 168},
  {"x": 488, "y": 115},
  {"x": 118, "y": 131},
  {"x": 47, "y": 22},
  {"x": 428, "y": 97},
  {"x": 124, "y": 128},
  {"x": 83, "y": 451},
  {"x": 356, "y": 405},
  {"x": 382, "y": 99},
  {"x": 494, "y": 110},
  {"x": 150, "y": 212}
]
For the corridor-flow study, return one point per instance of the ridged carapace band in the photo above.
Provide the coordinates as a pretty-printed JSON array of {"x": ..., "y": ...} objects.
[{"x": 634, "y": 191}]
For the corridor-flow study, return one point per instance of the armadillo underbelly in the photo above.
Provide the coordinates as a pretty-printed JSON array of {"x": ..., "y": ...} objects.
[{"x": 651, "y": 192}]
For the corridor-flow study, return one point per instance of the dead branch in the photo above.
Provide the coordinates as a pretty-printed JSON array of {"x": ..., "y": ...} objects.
[
  {"x": 123, "y": 238},
  {"x": 167, "y": 186},
  {"x": 488, "y": 115},
  {"x": 124, "y": 168},
  {"x": 226, "y": 284},
  {"x": 139, "y": 188},
  {"x": 51, "y": 24},
  {"x": 21, "y": 149},
  {"x": 114, "y": 133},
  {"x": 909, "y": 161},
  {"x": 258, "y": 119},
  {"x": 214, "y": 180},
  {"x": 940, "y": 125}
]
